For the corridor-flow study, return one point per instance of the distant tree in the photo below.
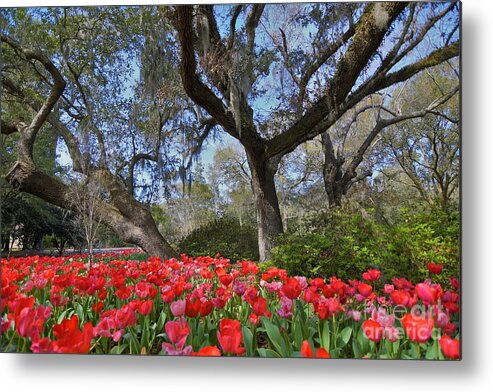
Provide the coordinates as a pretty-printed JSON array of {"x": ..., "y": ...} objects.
[
  {"x": 182, "y": 213},
  {"x": 86, "y": 198},
  {"x": 341, "y": 169},
  {"x": 231, "y": 182},
  {"x": 426, "y": 149}
]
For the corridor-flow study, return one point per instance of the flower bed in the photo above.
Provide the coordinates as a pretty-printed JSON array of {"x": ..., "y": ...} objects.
[{"x": 212, "y": 307}]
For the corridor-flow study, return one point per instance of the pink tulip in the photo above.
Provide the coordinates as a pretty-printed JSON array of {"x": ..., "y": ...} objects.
[{"x": 178, "y": 307}]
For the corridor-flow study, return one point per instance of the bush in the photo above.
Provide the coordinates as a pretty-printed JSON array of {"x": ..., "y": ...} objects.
[
  {"x": 224, "y": 236},
  {"x": 423, "y": 237},
  {"x": 346, "y": 244},
  {"x": 334, "y": 243}
]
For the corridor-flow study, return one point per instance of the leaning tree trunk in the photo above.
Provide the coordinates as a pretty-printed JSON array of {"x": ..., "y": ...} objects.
[
  {"x": 128, "y": 218},
  {"x": 269, "y": 222}
]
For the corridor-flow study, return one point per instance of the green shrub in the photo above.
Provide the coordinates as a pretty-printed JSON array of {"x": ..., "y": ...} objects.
[
  {"x": 224, "y": 236},
  {"x": 331, "y": 244},
  {"x": 346, "y": 244},
  {"x": 423, "y": 237}
]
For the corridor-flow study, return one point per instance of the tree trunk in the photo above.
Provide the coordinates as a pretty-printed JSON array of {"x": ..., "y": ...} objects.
[
  {"x": 332, "y": 176},
  {"x": 128, "y": 218},
  {"x": 335, "y": 192},
  {"x": 269, "y": 222},
  {"x": 61, "y": 246},
  {"x": 6, "y": 242}
]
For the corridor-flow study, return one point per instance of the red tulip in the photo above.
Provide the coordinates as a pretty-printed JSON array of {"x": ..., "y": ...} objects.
[
  {"x": 97, "y": 307},
  {"x": 259, "y": 306},
  {"x": 230, "y": 336},
  {"x": 218, "y": 303},
  {"x": 452, "y": 307},
  {"x": 24, "y": 322},
  {"x": 454, "y": 282},
  {"x": 5, "y": 325},
  {"x": 365, "y": 289},
  {"x": 450, "y": 347},
  {"x": 102, "y": 294},
  {"x": 142, "y": 289},
  {"x": 192, "y": 308},
  {"x": 291, "y": 288},
  {"x": 28, "y": 286},
  {"x": 450, "y": 329},
  {"x": 205, "y": 308},
  {"x": 317, "y": 283},
  {"x": 450, "y": 296},
  {"x": 125, "y": 317},
  {"x": 168, "y": 295},
  {"x": 19, "y": 303},
  {"x": 226, "y": 279},
  {"x": 145, "y": 307},
  {"x": 311, "y": 295},
  {"x": 322, "y": 353},
  {"x": 73, "y": 340},
  {"x": 402, "y": 283},
  {"x": 42, "y": 346},
  {"x": 338, "y": 287},
  {"x": 325, "y": 308},
  {"x": 123, "y": 293},
  {"x": 371, "y": 275},
  {"x": 66, "y": 326},
  {"x": 307, "y": 352},
  {"x": 250, "y": 294},
  {"x": 388, "y": 288},
  {"x": 208, "y": 351},
  {"x": 400, "y": 297},
  {"x": 373, "y": 330},
  {"x": 434, "y": 268},
  {"x": 103, "y": 327},
  {"x": 417, "y": 329}
]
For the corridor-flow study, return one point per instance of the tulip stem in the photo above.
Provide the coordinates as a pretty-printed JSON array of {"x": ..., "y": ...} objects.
[
  {"x": 95, "y": 343},
  {"x": 10, "y": 342},
  {"x": 418, "y": 350},
  {"x": 334, "y": 327}
]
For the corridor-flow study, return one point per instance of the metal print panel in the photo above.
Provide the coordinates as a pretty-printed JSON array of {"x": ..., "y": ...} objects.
[{"x": 260, "y": 180}]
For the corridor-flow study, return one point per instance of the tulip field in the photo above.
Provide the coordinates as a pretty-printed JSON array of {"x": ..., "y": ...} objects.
[{"x": 208, "y": 306}]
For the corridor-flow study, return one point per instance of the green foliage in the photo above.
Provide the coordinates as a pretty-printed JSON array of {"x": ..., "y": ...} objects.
[
  {"x": 423, "y": 237},
  {"x": 224, "y": 236},
  {"x": 33, "y": 222},
  {"x": 346, "y": 244}
]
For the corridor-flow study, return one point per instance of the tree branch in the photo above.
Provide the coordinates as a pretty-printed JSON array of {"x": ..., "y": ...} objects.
[
  {"x": 9, "y": 128},
  {"x": 252, "y": 22},
  {"x": 350, "y": 172},
  {"x": 194, "y": 87},
  {"x": 381, "y": 82},
  {"x": 28, "y": 135},
  {"x": 368, "y": 36},
  {"x": 232, "y": 26},
  {"x": 67, "y": 136}
]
